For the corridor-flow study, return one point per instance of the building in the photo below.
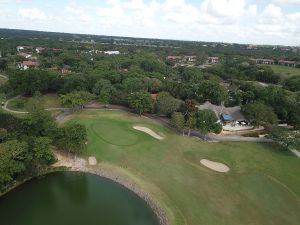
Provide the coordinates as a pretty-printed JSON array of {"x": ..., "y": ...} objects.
[
  {"x": 24, "y": 55},
  {"x": 28, "y": 65},
  {"x": 112, "y": 52},
  {"x": 265, "y": 61},
  {"x": 40, "y": 50},
  {"x": 288, "y": 63},
  {"x": 183, "y": 58},
  {"x": 231, "y": 116},
  {"x": 23, "y": 47},
  {"x": 213, "y": 60}
]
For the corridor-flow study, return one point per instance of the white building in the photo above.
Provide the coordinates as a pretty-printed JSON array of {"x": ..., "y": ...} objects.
[{"x": 112, "y": 52}]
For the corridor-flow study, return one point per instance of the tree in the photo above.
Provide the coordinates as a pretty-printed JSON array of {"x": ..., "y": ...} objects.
[
  {"x": 207, "y": 121},
  {"x": 178, "y": 121},
  {"x": 283, "y": 137},
  {"x": 259, "y": 114},
  {"x": 140, "y": 102},
  {"x": 212, "y": 91},
  {"x": 71, "y": 138},
  {"x": 41, "y": 150},
  {"x": 13, "y": 161},
  {"x": 166, "y": 104},
  {"x": 38, "y": 123},
  {"x": 75, "y": 99},
  {"x": 104, "y": 90}
]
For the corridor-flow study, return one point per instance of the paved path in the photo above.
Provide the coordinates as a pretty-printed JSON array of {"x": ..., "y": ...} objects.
[
  {"x": 296, "y": 152},
  {"x": 4, "y": 107},
  {"x": 5, "y": 77},
  {"x": 60, "y": 117}
]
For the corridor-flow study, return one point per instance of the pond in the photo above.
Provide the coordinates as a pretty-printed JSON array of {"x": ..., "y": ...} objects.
[{"x": 69, "y": 198}]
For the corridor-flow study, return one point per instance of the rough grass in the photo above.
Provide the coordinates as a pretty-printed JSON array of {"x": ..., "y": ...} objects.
[
  {"x": 48, "y": 101},
  {"x": 2, "y": 80},
  {"x": 262, "y": 187},
  {"x": 286, "y": 71}
]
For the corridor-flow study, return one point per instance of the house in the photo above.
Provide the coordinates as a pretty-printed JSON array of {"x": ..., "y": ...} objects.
[
  {"x": 265, "y": 61},
  {"x": 228, "y": 116},
  {"x": 28, "y": 65},
  {"x": 190, "y": 58},
  {"x": 24, "y": 55},
  {"x": 288, "y": 63},
  {"x": 112, "y": 52},
  {"x": 66, "y": 70},
  {"x": 40, "y": 50},
  {"x": 184, "y": 58},
  {"x": 213, "y": 60},
  {"x": 23, "y": 47}
]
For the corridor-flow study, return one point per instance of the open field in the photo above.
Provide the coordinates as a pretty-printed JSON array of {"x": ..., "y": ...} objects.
[
  {"x": 261, "y": 188},
  {"x": 48, "y": 101},
  {"x": 286, "y": 71}
]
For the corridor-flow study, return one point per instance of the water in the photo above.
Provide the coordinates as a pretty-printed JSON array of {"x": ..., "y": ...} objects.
[{"x": 68, "y": 198}]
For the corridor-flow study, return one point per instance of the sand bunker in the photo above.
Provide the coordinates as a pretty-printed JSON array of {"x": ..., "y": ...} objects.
[
  {"x": 148, "y": 131},
  {"x": 92, "y": 161},
  {"x": 215, "y": 166}
]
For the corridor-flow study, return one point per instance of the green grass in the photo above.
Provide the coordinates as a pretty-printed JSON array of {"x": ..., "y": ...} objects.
[
  {"x": 2, "y": 80},
  {"x": 48, "y": 101},
  {"x": 286, "y": 71},
  {"x": 262, "y": 187}
]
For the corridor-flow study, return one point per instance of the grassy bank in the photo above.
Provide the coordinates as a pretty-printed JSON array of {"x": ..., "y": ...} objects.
[
  {"x": 262, "y": 187},
  {"x": 21, "y": 103},
  {"x": 286, "y": 71}
]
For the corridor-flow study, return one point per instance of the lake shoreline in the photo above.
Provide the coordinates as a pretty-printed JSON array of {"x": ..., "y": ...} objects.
[{"x": 77, "y": 164}]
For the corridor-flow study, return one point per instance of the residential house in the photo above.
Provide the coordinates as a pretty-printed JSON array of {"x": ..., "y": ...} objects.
[
  {"x": 227, "y": 115},
  {"x": 24, "y": 55},
  {"x": 112, "y": 52},
  {"x": 288, "y": 63},
  {"x": 40, "y": 50},
  {"x": 213, "y": 60},
  {"x": 184, "y": 58},
  {"x": 265, "y": 61},
  {"x": 28, "y": 65},
  {"x": 23, "y": 47}
]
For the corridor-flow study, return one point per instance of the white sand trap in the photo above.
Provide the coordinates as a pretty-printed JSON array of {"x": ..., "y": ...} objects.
[
  {"x": 215, "y": 166},
  {"x": 148, "y": 131},
  {"x": 92, "y": 161}
]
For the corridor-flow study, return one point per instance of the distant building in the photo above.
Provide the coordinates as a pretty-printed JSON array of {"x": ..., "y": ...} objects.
[
  {"x": 112, "y": 52},
  {"x": 265, "y": 61},
  {"x": 23, "y": 47},
  {"x": 213, "y": 60},
  {"x": 183, "y": 58},
  {"x": 40, "y": 50},
  {"x": 28, "y": 65},
  {"x": 288, "y": 63},
  {"x": 24, "y": 55}
]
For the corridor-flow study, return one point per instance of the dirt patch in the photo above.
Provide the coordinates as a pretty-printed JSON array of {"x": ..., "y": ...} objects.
[
  {"x": 215, "y": 166},
  {"x": 148, "y": 131}
]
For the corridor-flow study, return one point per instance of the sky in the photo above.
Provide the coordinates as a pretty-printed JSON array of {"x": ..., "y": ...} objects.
[{"x": 274, "y": 22}]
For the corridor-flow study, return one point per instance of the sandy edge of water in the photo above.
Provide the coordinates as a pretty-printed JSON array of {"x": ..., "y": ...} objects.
[{"x": 78, "y": 164}]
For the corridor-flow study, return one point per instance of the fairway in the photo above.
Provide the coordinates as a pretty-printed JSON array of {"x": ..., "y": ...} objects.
[
  {"x": 261, "y": 188},
  {"x": 285, "y": 71}
]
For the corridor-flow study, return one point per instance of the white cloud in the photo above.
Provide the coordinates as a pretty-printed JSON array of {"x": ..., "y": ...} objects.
[
  {"x": 73, "y": 8},
  {"x": 32, "y": 14},
  {"x": 210, "y": 20},
  {"x": 287, "y": 2}
]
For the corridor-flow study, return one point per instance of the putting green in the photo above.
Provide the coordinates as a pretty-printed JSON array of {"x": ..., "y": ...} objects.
[{"x": 119, "y": 134}]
